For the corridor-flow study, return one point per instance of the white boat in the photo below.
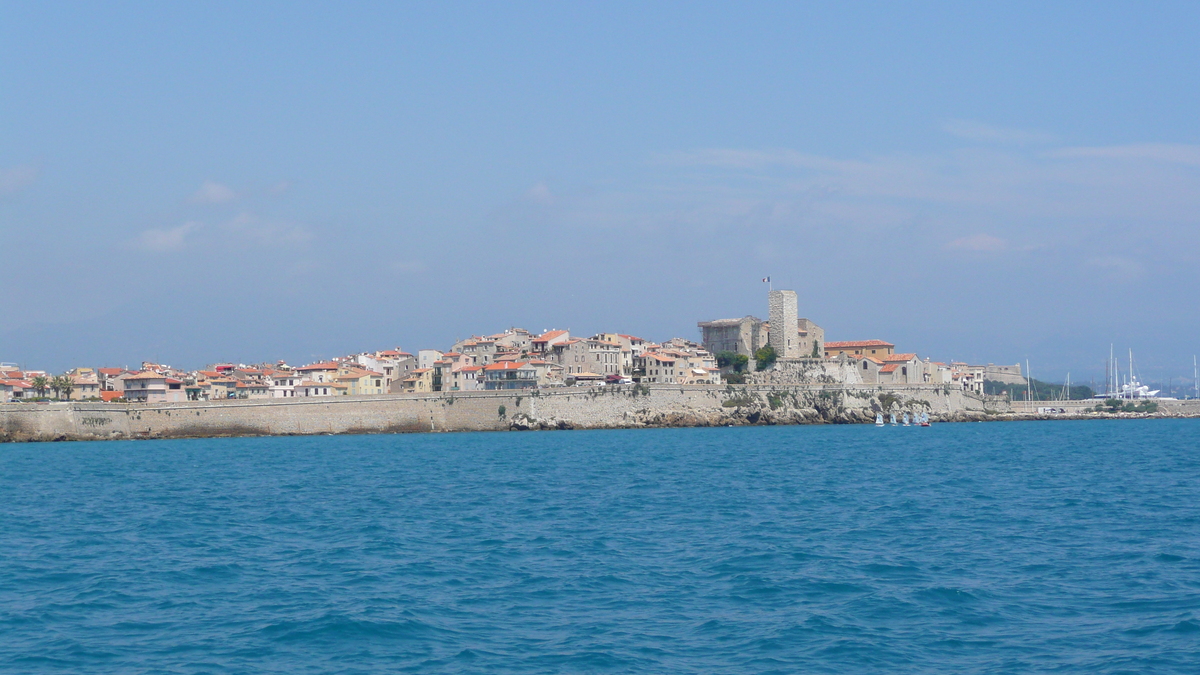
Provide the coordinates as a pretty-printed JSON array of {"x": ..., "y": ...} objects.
[
  {"x": 878, "y": 419},
  {"x": 893, "y": 415},
  {"x": 906, "y": 420},
  {"x": 1124, "y": 386}
]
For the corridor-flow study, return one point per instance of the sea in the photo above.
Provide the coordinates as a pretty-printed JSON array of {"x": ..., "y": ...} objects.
[{"x": 1017, "y": 547}]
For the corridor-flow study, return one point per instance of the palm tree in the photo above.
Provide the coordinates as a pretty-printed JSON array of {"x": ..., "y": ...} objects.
[
  {"x": 41, "y": 383},
  {"x": 66, "y": 386},
  {"x": 56, "y": 385}
]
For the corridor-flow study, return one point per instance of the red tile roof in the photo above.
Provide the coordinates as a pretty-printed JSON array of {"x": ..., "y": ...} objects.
[
  {"x": 897, "y": 358},
  {"x": 549, "y": 335},
  {"x": 505, "y": 365},
  {"x": 327, "y": 365},
  {"x": 857, "y": 343},
  {"x": 147, "y": 375},
  {"x": 889, "y": 368}
]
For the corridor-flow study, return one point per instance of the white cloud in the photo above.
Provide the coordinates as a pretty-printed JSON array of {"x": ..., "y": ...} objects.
[
  {"x": 213, "y": 193},
  {"x": 1119, "y": 268},
  {"x": 1171, "y": 153},
  {"x": 266, "y": 232},
  {"x": 165, "y": 240},
  {"x": 539, "y": 194},
  {"x": 17, "y": 178},
  {"x": 978, "y": 131},
  {"x": 978, "y": 242}
]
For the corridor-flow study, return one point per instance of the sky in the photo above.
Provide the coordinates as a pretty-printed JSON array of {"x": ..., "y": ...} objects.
[{"x": 191, "y": 183}]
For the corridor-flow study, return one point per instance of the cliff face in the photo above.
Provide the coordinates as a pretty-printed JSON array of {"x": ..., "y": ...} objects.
[{"x": 627, "y": 406}]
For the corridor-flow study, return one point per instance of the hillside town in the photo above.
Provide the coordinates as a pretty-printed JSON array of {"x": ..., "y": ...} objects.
[{"x": 785, "y": 348}]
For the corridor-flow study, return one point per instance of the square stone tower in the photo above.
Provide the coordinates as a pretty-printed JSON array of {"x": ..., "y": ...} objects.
[{"x": 785, "y": 329}]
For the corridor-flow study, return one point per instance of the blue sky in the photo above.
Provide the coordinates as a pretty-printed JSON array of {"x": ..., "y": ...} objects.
[{"x": 194, "y": 182}]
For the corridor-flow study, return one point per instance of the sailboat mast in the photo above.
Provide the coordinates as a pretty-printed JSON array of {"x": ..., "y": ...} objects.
[{"x": 1111, "y": 381}]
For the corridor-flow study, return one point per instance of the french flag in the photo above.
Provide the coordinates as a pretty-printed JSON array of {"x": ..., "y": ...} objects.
[{"x": 766, "y": 280}]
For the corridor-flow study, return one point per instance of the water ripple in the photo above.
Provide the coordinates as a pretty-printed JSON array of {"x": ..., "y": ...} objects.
[{"x": 999, "y": 548}]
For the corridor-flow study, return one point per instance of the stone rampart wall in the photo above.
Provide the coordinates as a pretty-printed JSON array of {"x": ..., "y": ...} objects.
[{"x": 599, "y": 407}]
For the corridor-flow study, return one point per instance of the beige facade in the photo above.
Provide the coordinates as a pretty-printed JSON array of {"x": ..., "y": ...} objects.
[
  {"x": 544, "y": 342},
  {"x": 876, "y": 348},
  {"x": 660, "y": 369},
  {"x": 420, "y": 381},
  {"x": 744, "y": 336},
  {"x": 361, "y": 382},
  {"x": 319, "y": 372},
  {"x": 587, "y": 356},
  {"x": 151, "y": 387},
  {"x": 85, "y": 386}
]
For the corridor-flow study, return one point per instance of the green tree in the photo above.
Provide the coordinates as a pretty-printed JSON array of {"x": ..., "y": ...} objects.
[
  {"x": 56, "y": 385},
  {"x": 41, "y": 383},
  {"x": 765, "y": 357},
  {"x": 66, "y": 386},
  {"x": 816, "y": 352},
  {"x": 731, "y": 359}
]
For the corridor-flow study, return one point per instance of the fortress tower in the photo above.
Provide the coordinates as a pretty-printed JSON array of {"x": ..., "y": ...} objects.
[{"x": 784, "y": 336}]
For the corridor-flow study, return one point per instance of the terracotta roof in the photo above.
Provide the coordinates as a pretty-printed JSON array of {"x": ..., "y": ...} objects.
[
  {"x": 857, "y": 343},
  {"x": 147, "y": 375},
  {"x": 549, "y": 335},
  {"x": 327, "y": 365},
  {"x": 874, "y": 360},
  {"x": 110, "y": 371},
  {"x": 505, "y": 365},
  {"x": 471, "y": 369},
  {"x": 896, "y": 358},
  {"x": 107, "y": 396},
  {"x": 889, "y": 368}
]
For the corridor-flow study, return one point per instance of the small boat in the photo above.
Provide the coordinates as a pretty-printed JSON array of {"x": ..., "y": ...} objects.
[
  {"x": 878, "y": 419},
  {"x": 893, "y": 419},
  {"x": 906, "y": 420},
  {"x": 924, "y": 419}
]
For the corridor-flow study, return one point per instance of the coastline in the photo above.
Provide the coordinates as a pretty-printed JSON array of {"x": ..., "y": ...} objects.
[{"x": 613, "y": 407}]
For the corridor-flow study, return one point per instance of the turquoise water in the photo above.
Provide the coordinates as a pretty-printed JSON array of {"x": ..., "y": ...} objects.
[{"x": 991, "y": 548}]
